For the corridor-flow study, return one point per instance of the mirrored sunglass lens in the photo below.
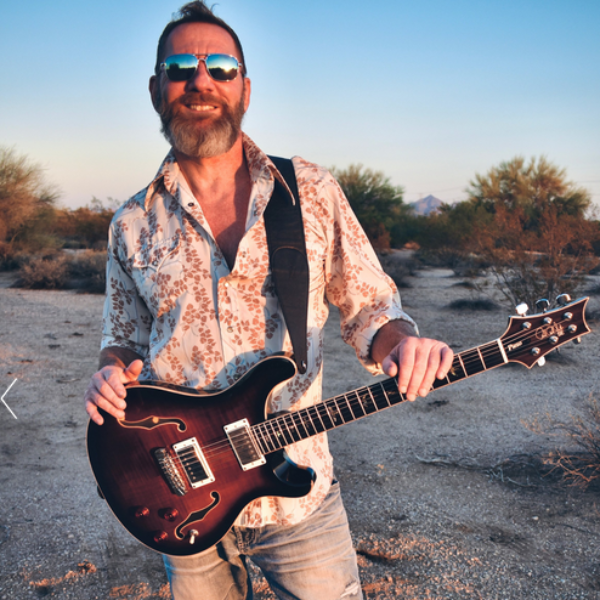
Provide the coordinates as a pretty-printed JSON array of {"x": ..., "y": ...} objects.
[
  {"x": 222, "y": 67},
  {"x": 181, "y": 67}
]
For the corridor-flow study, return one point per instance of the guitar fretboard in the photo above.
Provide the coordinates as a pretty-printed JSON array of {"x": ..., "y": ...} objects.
[{"x": 278, "y": 432}]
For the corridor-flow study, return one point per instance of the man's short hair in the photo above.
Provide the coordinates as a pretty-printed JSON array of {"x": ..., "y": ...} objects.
[{"x": 195, "y": 12}]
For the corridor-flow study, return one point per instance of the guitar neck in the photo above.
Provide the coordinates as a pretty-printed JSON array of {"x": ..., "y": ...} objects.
[{"x": 278, "y": 432}]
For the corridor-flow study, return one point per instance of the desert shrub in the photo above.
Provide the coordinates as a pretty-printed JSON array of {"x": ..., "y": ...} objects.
[
  {"x": 24, "y": 196},
  {"x": 577, "y": 457},
  {"x": 89, "y": 268},
  {"x": 84, "y": 271},
  {"x": 377, "y": 203},
  {"x": 536, "y": 236},
  {"x": 45, "y": 272},
  {"x": 399, "y": 268},
  {"x": 473, "y": 304}
]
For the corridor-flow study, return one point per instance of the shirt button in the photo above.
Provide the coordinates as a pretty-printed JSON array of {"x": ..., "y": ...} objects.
[
  {"x": 155, "y": 263},
  {"x": 236, "y": 376},
  {"x": 190, "y": 204},
  {"x": 230, "y": 330},
  {"x": 226, "y": 285}
]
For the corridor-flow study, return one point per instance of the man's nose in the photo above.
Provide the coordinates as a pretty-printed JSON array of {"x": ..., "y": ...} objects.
[{"x": 201, "y": 79}]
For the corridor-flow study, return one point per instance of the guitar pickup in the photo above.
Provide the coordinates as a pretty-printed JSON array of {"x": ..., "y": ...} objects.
[
  {"x": 244, "y": 446},
  {"x": 193, "y": 462}
]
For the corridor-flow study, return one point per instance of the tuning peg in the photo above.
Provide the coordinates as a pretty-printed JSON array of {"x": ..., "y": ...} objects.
[
  {"x": 577, "y": 340},
  {"x": 541, "y": 361},
  {"x": 563, "y": 299},
  {"x": 522, "y": 309},
  {"x": 542, "y": 305}
]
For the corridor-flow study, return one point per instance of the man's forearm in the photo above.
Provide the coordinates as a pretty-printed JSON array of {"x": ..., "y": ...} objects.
[
  {"x": 388, "y": 337},
  {"x": 116, "y": 356}
]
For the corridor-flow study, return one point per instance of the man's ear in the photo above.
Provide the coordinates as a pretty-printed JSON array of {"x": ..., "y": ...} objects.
[
  {"x": 154, "y": 87},
  {"x": 247, "y": 90}
]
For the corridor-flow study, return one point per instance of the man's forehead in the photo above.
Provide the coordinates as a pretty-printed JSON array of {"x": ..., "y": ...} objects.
[{"x": 199, "y": 38}]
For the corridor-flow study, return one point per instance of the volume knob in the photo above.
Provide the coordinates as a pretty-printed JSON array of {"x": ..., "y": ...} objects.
[
  {"x": 141, "y": 511},
  {"x": 160, "y": 537}
]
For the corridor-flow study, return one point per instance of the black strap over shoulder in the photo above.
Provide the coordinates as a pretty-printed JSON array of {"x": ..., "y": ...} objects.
[{"x": 287, "y": 258}]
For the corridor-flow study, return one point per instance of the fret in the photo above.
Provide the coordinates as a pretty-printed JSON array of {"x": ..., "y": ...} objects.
[
  {"x": 280, "y": 422},
  {"x": 311, "y": 428},
  {"x": 350, "y": 407},
  {"x": 502, "y": 351},
  {"x": 385, "y": 397},
  {"x": 462, "y": 364},
  {"x": 326, "y": 417},
  {"x": 473, "y": 359},
  {"x": 267, "y": 437},
  {"x": 297, "y": 417},
  {"x": 392, "y": 391},
  {"x": 359, "y": 409},
  {"x": 492, "y": 356},
  {"x": 344, "y": 410},
  {"x": 275, "y": 438},
  {"x": 315, "y": 410},
  {"x": 456, "y": 373},
  {"x": 336, "y": 412},
  {"x": 287, "y": 421},
  {"x": 368, "y": 401},
  {"x": 258, "y": 438}
]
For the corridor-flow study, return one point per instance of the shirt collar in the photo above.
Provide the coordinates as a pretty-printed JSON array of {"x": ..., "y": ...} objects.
[{"x": 168, "y": 174}]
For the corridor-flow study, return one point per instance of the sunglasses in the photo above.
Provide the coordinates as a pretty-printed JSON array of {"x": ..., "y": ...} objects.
[{"x": 182, "y": 67}]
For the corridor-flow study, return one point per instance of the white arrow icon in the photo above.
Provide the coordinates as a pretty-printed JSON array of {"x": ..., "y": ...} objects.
[{"x": 4, "y": 402}]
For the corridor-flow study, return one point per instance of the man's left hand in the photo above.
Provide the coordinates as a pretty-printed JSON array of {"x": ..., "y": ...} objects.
[{"x": 417, "y": 362}]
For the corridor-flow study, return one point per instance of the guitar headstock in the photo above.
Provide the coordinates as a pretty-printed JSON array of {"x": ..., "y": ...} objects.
[{"x": 529, "y": 338}]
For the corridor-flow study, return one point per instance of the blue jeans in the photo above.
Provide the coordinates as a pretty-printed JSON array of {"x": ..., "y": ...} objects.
[{"x": 313, "y": 560}]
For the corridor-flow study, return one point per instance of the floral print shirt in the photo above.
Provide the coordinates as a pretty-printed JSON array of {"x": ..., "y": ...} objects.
[{"x": 172, "y": 298}]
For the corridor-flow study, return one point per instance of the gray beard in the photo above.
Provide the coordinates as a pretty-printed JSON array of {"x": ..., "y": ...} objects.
[{"x": 206, "y": 142}]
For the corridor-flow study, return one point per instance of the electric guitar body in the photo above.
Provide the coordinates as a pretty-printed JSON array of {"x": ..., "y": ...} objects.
[{"x": 170, "y": 495}]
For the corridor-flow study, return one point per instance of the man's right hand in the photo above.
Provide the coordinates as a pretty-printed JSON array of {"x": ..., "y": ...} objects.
[{"x": 106, "y": 390}]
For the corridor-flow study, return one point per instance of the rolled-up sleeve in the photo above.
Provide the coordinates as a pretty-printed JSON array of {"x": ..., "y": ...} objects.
[
  {"x": 126, "y": 321},
  {"x": 366, "y": 297}
]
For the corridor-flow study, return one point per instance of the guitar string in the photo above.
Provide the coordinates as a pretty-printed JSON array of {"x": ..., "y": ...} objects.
[
  {"x": 291, "y": 424},
  {"x": 289, "y": 421}
]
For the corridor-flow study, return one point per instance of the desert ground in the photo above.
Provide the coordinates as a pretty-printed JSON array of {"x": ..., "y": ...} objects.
[{"x": 445, "y": 496}]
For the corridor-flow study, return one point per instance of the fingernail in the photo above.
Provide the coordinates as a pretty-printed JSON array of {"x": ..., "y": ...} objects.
[{"x": 403, "y": 389}]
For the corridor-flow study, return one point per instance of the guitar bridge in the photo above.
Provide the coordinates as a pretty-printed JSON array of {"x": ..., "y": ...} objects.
[
  {"x": 243, "y": 445},
  {"x": 187, "y": 458}
]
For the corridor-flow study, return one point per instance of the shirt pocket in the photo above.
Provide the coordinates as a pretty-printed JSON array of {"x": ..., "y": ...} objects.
[{"x": 158, "y": 272}]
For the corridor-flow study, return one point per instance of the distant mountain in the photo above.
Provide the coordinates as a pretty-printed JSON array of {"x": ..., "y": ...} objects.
[{"x": 427, "y": 205}]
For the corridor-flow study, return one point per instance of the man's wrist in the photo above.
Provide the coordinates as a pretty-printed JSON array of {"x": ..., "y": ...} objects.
[
  {"x": 115, "y": 356},
  {"x": 389, "y": 336}
]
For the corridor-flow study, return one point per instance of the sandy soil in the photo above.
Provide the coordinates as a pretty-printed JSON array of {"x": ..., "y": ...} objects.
[{"x": 443, "y": 495}]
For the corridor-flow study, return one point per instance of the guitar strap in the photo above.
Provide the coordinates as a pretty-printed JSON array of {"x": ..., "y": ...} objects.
[{"x": 287, "y": 258}]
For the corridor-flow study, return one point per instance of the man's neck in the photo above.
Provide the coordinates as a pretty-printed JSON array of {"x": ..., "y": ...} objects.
[
  {"x": 222, "y": 186},
  {"x": 208, "y": 178}
]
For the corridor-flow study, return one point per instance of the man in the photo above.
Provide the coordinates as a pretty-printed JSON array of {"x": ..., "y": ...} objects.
[{"x": 190, "y": 301}]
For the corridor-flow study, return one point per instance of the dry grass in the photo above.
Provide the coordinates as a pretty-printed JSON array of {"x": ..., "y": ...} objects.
[
  {"x": 45, "y": 273},
  {"x": 577, "y": 459},
  {"x": 84, "y": 271}
]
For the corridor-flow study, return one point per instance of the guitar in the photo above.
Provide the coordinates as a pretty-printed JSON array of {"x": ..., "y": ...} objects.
[{"x": 182, "y": 464}]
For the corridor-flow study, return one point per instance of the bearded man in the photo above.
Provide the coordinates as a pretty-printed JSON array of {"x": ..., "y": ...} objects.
[{"x": 190, "y": 301}]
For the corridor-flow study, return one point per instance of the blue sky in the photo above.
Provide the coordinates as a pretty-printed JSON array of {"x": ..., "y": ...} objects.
[{"x": 430, "y": 92}]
